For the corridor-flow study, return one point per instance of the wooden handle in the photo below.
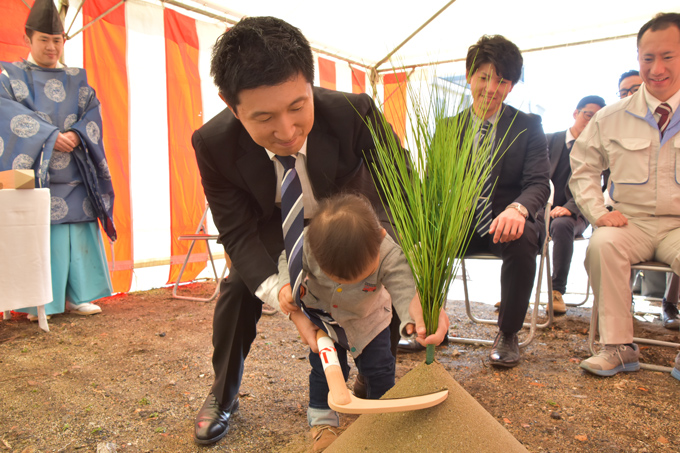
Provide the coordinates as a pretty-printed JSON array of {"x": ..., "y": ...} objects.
[{"x": 331, "y": 368}]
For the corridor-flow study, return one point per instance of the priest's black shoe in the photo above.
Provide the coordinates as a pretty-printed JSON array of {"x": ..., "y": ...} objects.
[
  {"x": 505, "y": 350},
  {"x": 212, "y": 421},
  {"x": 670, "y": 316}
]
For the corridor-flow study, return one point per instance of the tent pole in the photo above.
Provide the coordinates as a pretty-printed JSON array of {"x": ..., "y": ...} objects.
[
  {"x": 97, "y": 18},
  {"x": 80, "y": 7},
  {"x": 533, "y": 49},
  {"x": 389, "y": 55}
]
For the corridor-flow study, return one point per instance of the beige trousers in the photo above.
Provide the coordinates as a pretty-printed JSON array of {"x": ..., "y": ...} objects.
[{"x": 611, "y": 252}]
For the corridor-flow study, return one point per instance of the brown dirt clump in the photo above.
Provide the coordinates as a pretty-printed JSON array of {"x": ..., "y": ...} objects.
[{"x": 136, "y": 375}]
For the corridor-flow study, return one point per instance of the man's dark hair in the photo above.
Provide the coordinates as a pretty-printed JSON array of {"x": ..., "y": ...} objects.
[
  {"x": 627, "y": 74},
  {"x": 500, "y": 52},
  {"x": 259, "y": 51},
  {"x": 345, "y": 235},
  {"x": 590, "y": 100},
  {"x": 659, "y": 22}
]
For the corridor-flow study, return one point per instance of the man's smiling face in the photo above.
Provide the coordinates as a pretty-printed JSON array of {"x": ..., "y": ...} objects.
[
  {"x": 279, "y": 117},
  {"x": 659, "y": 58}
]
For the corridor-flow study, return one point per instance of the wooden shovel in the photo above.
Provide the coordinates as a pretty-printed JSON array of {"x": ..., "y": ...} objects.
[{"x": 341, "y": 400}]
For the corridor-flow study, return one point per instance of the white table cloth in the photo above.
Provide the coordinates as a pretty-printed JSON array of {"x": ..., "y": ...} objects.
[{"x": 25, "y": 272}]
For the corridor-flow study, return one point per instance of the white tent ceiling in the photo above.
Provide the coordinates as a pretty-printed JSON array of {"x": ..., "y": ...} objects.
[{"x": 366, "y": 31}]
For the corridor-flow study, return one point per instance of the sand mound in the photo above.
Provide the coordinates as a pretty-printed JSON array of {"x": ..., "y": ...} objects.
[{"x": 459, "y": 424}]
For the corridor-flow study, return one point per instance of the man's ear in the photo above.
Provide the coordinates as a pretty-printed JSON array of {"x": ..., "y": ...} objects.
[
  {"x": 468, "y": 77},
  {"x": 576, "y": 112},
  {"x": 233, "y": 110},
  {"x": 27, "y": 40}
]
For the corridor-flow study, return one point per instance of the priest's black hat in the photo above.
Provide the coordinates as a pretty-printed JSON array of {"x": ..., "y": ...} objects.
[{"x": 44, "y": 18}]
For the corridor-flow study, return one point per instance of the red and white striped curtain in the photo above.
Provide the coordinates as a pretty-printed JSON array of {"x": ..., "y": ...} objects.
[{"x": 150, "y": 68}]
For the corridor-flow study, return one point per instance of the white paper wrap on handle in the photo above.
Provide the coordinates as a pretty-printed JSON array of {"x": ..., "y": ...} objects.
[{"x": 327, "y": 352}]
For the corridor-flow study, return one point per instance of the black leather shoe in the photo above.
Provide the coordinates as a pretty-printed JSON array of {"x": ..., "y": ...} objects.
[
  {"x": 411, "y": 345},
  {"x": 505, "y": 350},
  {"x": 670, "y": 316},
  {"x": 212, "y": 421}
]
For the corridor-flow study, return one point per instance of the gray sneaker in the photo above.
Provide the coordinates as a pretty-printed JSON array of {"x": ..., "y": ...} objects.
[
  {"x": 612, "y": 359},
  {"x": 676, "y": 371}
]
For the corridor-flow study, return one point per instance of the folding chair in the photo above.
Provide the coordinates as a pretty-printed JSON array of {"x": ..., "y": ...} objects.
[
  {"x": 201, "y": 234},
  {"x": 544, "y": 263},
  {"x": 644, "y": 266},
  {"x": 572, "y": 304}
]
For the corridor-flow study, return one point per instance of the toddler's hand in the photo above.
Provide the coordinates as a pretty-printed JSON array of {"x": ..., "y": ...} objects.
[{"x": 286, "y": 300}]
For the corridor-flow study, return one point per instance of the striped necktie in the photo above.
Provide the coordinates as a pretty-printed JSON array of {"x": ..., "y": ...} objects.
[
  {"x": 483, "y": 213},
  {"x": 293, "y": 221},
  {"x": 665, "y": 111}
]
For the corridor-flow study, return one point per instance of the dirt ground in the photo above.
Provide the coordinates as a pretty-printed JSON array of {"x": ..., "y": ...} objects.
[{"x": 133, "y": 378}]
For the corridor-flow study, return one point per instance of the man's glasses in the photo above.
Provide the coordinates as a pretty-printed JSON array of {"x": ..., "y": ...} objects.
[
  {"x": 587, "y": 113},
  {"x": 628, "y": 91}
]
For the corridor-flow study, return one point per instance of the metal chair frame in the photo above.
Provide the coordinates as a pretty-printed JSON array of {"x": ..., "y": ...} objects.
[
  {"x": 644, "y": 266},
  {"x": 533, "y": 325},
  {"x": 201, "y": 234},
  {"x": 572, "y": 304}
]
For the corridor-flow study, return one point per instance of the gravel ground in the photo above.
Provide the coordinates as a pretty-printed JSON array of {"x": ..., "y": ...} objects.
[{"x": 133, "y": 378}]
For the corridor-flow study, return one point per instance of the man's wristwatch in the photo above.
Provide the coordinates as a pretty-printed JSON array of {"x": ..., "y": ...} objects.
[{"x": 521, "y": 209}]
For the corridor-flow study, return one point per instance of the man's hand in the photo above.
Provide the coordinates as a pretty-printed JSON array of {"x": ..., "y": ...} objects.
[
  {"x": 286, "y": 300},
  {"x": 66, "y": 142},
  {"x": 508, "y": 226},
  {"x": 559, "y": 211},
  {"x": 612, "y": 219},
  {"x": 416, "y": 312},
  {"x": 306, "y": 328}
]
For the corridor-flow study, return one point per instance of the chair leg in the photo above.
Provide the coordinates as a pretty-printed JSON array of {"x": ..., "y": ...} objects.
[
  {"x": 584, "y": 300},
  {"x": 42, "y": 319},
  {"x": 545, "y": 257},
  {"x": 181, "y": 272},
  {"x": 218, "y": 280}
]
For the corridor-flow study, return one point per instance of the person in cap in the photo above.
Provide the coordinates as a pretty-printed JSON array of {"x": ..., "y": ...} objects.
[
  {"x": 50, "y": 122},
  {"x": 566, "y": 222}
]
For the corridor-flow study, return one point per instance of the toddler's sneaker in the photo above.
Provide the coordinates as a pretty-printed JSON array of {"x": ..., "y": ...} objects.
[{"x": 323, "y": 436}]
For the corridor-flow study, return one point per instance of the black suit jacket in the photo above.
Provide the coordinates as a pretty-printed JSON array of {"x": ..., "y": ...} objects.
[
  {"x": 521, "y": 162},
  {"x": 557, "y": 146},
  {"x": 239, "y": 179}
]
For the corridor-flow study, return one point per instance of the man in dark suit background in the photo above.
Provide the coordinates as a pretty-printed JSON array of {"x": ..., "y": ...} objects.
[
  {"x": 520, "y": 171},
  {"x": 264, "y": 70},
  {"x": 567, "y": 222}
]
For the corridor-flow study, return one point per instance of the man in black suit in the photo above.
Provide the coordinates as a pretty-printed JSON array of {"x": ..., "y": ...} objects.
[
  {"x": 264, "y": 70},
  {"x": 567, "y": 222},
  {"x": 520, "y": 171}
]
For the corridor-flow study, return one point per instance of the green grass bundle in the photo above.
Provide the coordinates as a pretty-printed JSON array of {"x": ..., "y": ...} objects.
[{"x": 433, "y": 190}]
